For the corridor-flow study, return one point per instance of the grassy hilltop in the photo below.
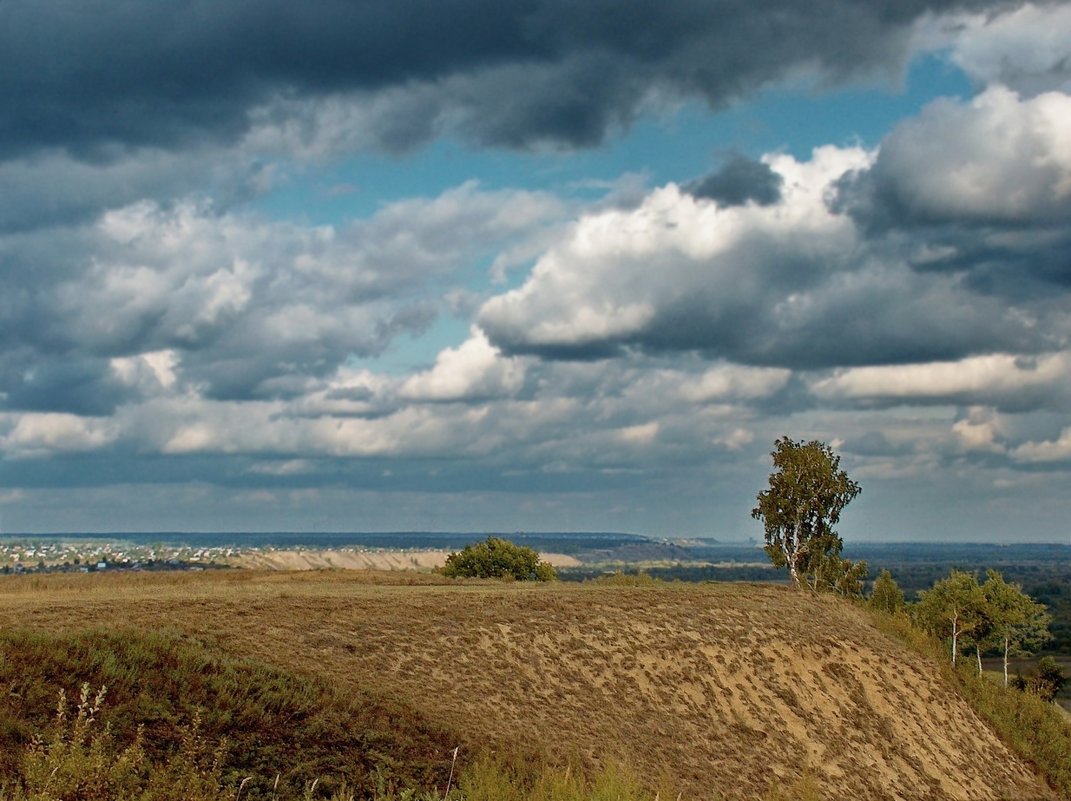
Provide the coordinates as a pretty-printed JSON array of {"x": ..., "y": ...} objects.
[{"x": 715, "y": 691}]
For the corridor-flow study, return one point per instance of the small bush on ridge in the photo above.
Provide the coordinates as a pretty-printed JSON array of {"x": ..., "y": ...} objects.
[{"x": 496, "y": 557}]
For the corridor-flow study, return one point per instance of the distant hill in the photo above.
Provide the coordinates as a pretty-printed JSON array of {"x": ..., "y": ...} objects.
[
  {"x": 557, "y": 541},
  {"x": 710, "y": 688}
]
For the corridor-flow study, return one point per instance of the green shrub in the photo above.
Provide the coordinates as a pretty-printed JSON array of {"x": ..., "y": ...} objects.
[
  {"x": 498, "y": 558},
  {"x": 1034, "y": 728},
  {"x": 1045, "y": 680}
]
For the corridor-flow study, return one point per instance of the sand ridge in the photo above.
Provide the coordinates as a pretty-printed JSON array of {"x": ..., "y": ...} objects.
[
  {"x": 359, "y": 559},
  {"x": 720, "y": 690}
]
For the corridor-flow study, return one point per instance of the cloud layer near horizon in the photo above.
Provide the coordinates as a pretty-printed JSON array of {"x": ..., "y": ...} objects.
[{"x": 910, "y": 302}]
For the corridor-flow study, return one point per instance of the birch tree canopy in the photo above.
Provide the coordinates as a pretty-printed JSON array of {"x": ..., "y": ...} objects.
[{"x": 807, "y": 493}]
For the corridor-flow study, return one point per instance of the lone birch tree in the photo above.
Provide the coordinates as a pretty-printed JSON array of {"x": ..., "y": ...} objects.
[{"x": 807, "y": 493}]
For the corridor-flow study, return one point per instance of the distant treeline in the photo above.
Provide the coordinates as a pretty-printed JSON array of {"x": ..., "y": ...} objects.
[
  {"x": 683, "y": 572},
  {"x": 1044, "y": 571}
]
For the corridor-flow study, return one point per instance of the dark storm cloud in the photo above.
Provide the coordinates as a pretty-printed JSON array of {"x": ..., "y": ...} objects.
[
  {"x": 98, "y": 77},
  {"x": 875, "y": 324},
  {"x": 739, "y": 181},
  {"x": 75, "y": 384},
  {"x": 1019, "y": 265}
]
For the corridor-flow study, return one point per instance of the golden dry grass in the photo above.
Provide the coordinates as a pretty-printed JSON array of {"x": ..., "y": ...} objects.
[{"x": 712, "y": 689}]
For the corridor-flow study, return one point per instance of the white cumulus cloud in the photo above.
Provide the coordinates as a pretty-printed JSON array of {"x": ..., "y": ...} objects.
[
  {"x": 1057, "y": 450},
  {"x": 728, "y": 381},
  {"x": 474, "y": 369},
  {"x": 998, "y": 378},
  {"x": 1026, "y": 48},
  {"x": 30, "y": 435},
  {"x": 996, "y": 159}
]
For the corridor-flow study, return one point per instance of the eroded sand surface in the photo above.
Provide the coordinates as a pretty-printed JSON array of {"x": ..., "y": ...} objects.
[
  {"x": 723, "y": 690},
  {"x": 360, "y": 558}
]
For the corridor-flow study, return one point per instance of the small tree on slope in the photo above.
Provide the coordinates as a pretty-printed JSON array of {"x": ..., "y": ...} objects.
[
  {"x": 954, "y": 607},
  {"x": 1016, "y": 621},
  {"x": 887, "y": 596},
  {"x": 807, "y": 493}
]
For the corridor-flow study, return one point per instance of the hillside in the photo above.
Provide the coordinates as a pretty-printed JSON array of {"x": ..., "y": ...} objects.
[{"x": 725, "y": 688}]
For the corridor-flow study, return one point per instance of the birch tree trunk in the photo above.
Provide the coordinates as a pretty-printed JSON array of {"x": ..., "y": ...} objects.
[
  {"x": 955, "y": 638},
  {"x": 790, "y": 557},
  {"x": 795, "y": 574},
  {"x": 1006, "y": 645}
]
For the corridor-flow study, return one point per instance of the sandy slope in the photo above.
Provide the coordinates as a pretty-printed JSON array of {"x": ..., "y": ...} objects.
[
  {"x": 360, "y": 558},
  {"x": 718, "y": 688}
]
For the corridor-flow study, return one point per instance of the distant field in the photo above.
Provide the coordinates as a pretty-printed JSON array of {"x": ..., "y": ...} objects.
[{"x": 727, "y": 688}]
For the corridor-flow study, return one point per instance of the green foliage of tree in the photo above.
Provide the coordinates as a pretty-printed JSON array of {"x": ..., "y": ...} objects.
[
  {"x": 1037, "y": 731},
  {"x": 887, "y": 596},
  {"x": 834, "y": 573},
  {"x": 807, "y": 493},
  {"x": 993, "y": 615},
  {"x": 1015, "y": 622},
  {"x": 952, "y": 608},
  {"x": 496, "y": 557}
]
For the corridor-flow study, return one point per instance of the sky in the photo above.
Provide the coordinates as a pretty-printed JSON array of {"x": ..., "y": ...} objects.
[{"x": 533, "y": 265}]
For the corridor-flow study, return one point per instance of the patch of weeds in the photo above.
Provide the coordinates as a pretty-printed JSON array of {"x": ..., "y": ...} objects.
[{"x": 274, "y": 722}]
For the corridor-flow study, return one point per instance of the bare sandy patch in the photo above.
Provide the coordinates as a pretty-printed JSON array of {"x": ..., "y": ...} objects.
[{"x": 359, "y": 559}]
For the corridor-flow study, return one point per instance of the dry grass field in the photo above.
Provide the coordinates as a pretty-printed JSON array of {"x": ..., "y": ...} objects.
[{"x": 716, "y": 690}]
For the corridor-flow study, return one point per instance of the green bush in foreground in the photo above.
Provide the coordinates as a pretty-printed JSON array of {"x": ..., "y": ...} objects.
[{"x": 498, "y": 558}]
